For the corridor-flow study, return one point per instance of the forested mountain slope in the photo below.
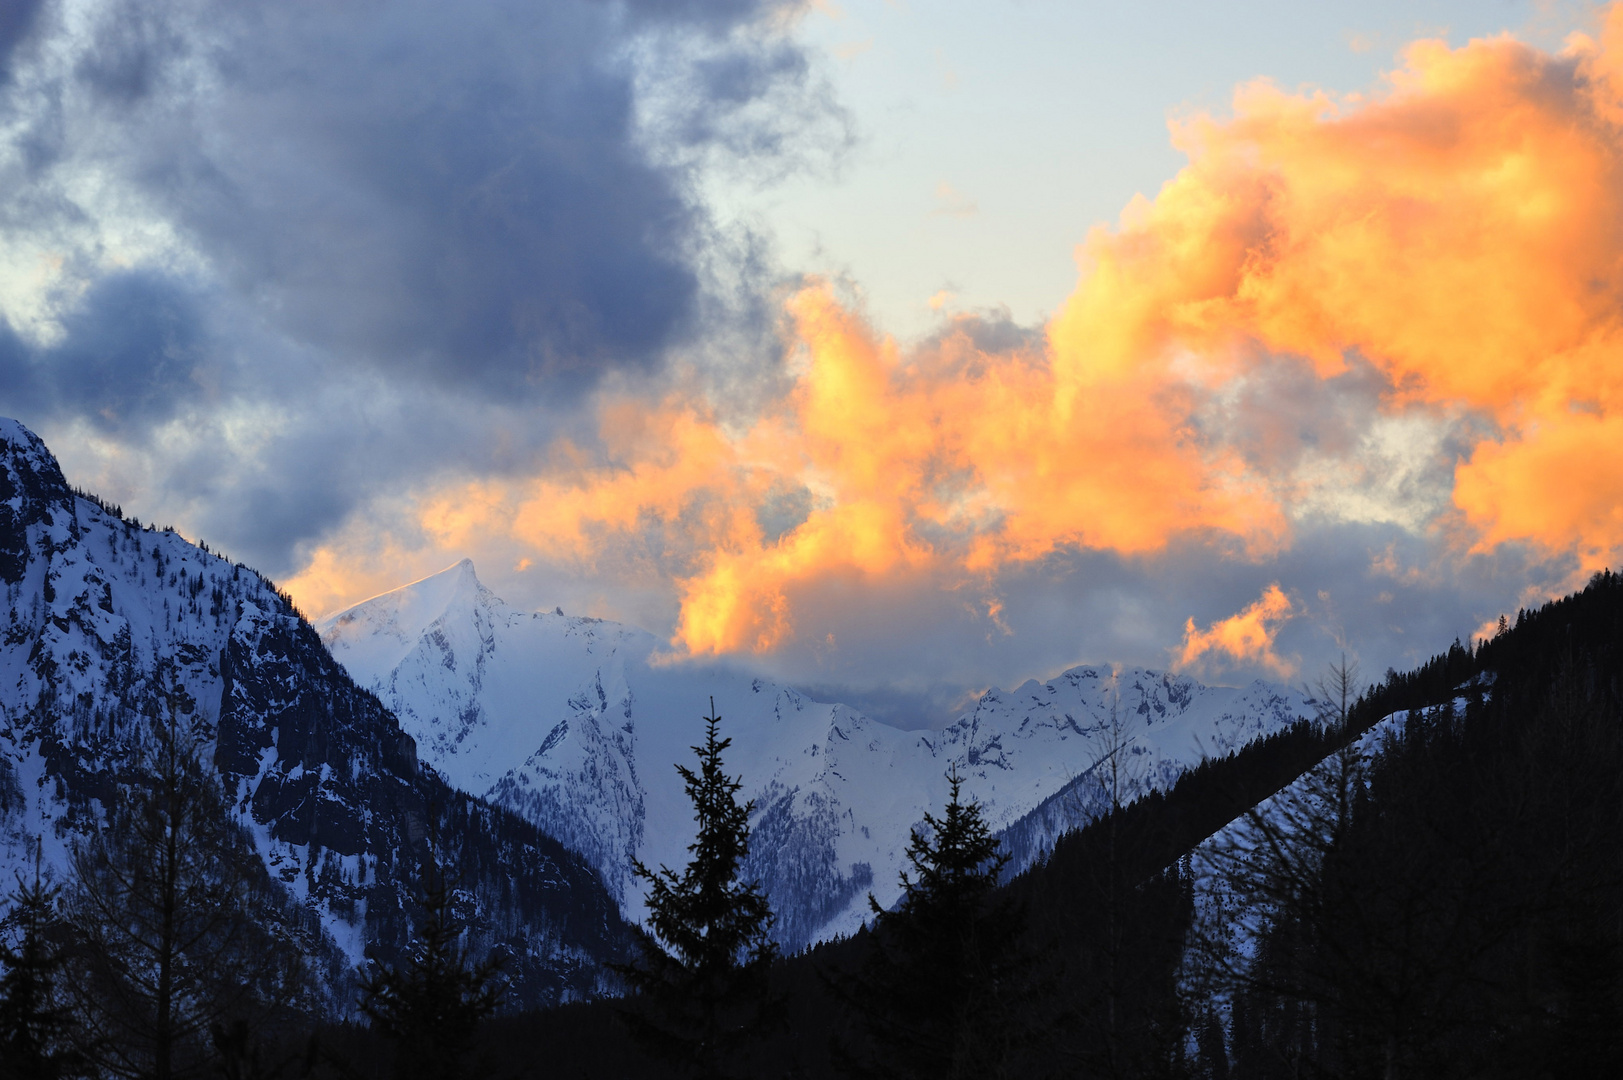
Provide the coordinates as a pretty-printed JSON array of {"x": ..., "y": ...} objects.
[{"x": 109, "y": 626}]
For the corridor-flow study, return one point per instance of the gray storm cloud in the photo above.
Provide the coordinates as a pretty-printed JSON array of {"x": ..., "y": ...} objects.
[
  {"x": 16, "y": 24},
  {"x": 285, "y": 217}
]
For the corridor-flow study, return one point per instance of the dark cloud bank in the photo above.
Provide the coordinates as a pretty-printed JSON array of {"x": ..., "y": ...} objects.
[{"x": 420, "y": 231}]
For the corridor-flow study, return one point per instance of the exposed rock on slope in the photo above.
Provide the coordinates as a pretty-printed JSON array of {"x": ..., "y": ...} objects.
[{"x": 103, "y": 618}]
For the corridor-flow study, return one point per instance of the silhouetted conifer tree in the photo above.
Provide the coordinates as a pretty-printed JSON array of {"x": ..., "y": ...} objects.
[
  {"x": 431, "y": 1006},
  {"x": 944, "y": 993},
  {"x": 34, "y": 1024},
  {"x": 178, "y": 925},
  {"x": 700, "y": 989}
]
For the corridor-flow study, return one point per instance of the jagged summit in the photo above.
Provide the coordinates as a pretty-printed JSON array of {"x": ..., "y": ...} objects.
[
  {"x": 21, "y": 441},
  {"x": 430, "y": 650},
  {"x": 391, "y": 622},
  {"x": 32, "y": 493},
  {"x": 425, "y": 599}
]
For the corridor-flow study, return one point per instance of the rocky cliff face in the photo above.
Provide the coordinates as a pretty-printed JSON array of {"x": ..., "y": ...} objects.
[{"x": 106, "y": 623}]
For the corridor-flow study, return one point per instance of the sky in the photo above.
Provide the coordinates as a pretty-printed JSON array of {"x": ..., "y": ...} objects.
[{"x": 891, "y": 350}]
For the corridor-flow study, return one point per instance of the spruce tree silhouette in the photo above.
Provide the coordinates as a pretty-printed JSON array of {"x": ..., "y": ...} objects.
[
  {"x": 34, "y": 1024},
  {"x": 430, "y": 1007},
  {"x": 178, "y": 926},
  {"x": 944, "y": 992},
  {"x": 700, "y": 992}
]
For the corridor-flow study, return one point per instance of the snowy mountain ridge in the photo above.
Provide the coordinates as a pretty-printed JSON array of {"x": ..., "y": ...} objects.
[
  {"x": 576, "y": 723},
  {"x": 109, "y": 625}
]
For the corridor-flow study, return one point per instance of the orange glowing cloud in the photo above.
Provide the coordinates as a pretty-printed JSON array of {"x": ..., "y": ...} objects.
[
  {"x": 947, "y": 464},
  {"x": 1557, "y": 484},
  {"x": 1461, "y": 231},
  {"x": 1247, "y": 637}
]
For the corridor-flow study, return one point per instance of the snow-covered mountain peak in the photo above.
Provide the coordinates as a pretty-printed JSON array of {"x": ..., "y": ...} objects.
[
  {"x": 576, "y": 723},
  {"x": 462, "y": 668},
  {"x": 389, "y": 625},
  {"x": 108, "y": 624}
]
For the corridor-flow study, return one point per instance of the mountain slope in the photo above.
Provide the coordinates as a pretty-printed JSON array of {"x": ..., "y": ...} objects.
[
  {"x": 105, "y": 619},
  {"x": 575, "y": 724}
]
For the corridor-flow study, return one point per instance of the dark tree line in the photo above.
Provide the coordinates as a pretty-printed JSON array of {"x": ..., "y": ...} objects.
[
  {"x": 35, "y": 1028},
  {"x": 430, "y": 1007},
  {"x": 171, "y": 954},
  {"x": 178, "y": 928},
  {"x": 1451, "y": 903}
]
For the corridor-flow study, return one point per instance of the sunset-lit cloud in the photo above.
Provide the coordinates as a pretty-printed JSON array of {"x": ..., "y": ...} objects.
[
  {"x": 396, "y": 241},
  {"x": 1459, "y": 236},
  {"x": 942, "y": 465},
  {"x": 1246, "y": 637},
  {"x": 1461, "y": 233},
  {"x": 352, "y": 297}
]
